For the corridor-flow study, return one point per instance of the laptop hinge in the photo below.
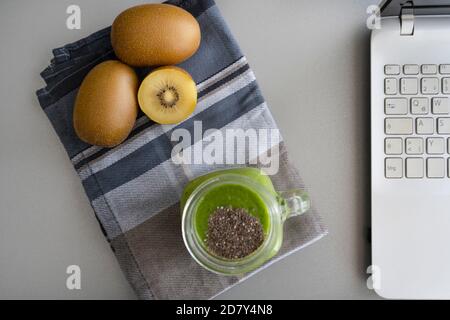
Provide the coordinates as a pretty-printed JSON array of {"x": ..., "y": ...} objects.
[{"x": 407, "y": 21}]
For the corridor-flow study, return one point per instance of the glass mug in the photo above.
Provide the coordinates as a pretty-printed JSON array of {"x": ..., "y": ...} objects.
[{"x": 252, "y": 187}]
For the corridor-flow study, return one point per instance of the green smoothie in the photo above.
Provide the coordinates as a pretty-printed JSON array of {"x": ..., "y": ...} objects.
[{"x": 232, "y": 195}]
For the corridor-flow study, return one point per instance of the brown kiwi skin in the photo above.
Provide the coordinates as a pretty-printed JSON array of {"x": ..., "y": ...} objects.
[
  {"x": 155, "y": 35},
  {"x": 173, "y": 67},
  {"x": 106, "y": 105}
]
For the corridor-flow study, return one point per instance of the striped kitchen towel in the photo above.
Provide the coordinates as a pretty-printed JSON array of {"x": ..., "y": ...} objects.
[{"x": 135, "y": 187}]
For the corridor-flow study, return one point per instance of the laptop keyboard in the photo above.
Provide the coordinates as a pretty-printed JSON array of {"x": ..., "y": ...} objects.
[{"x": 417, "y": 121}]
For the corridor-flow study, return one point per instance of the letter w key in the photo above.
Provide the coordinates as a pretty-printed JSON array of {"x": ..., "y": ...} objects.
[{"x": 440, "y": 106}]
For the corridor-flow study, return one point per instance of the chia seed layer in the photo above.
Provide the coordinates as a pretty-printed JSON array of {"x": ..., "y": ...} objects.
[{"x": 233, "y": 233}]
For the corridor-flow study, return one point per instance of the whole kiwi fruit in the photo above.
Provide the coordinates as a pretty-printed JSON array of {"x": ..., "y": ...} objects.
[
  {"x": 155, "y": 35},
  {"x": 106, "y": 105}
]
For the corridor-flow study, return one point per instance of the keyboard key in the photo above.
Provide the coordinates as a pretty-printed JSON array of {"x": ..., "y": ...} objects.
[
  {"x": 396, "y": 106},
  {"x": 429, "y": 69},
  {"x": 424, "y": 126},
  {"x": 393, "y": 146},
  {"x": 398, "y": 125},
  {"x": 409, "y": 85},
  {"x": 448, "y": 167},
  {"x": 430, "y": 85},
  {"x": 448, "y": 145},
  {"x": 435, "y": 145},
  {"x": 419, "y": 105},
  {"x": 391, "y": 69},
  {"x": 440, "y": 106},
  {"x": 414, "y": 168},
  {"x": 444, "y": 69},
  {"x": 435, "y": 168},
  {"x": 393, "y": 168},
  {"x": 446, "y": 85},
  {"x": 411, "y": 69},
  {"x": 414, "y": 146},
  {"x": 390, "y": 86},
  {"x": 443, "y": 125}
]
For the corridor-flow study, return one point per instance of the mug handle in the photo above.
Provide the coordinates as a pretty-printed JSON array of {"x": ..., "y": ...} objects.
[{"x": 295, "y": 202}]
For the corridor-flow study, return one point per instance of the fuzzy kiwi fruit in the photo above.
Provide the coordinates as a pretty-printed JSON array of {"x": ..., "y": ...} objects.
[
  {"x": 155, "y": 35},
  {"x": 106, "y": 105},
  {"x": 168, "y": 95}
]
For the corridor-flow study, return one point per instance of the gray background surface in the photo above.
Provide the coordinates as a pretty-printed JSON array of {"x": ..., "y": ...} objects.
[{"x": 312, "y": 61}]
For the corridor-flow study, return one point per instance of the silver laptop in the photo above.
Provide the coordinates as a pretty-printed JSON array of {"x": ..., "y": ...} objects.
[{"x": 410, "y": 126}]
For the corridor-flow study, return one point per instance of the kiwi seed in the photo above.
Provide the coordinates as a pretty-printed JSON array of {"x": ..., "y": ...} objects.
[{"x": 168, "y": 96}]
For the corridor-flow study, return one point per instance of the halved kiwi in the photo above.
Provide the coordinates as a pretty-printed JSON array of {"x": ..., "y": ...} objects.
[{"x": 168, "y": 95}]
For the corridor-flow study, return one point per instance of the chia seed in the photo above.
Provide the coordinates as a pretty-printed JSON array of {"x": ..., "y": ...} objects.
[{"x": 233, "y": 233}]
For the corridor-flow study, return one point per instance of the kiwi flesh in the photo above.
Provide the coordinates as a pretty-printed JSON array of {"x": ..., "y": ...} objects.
[{"x": 168, "y": 95}]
